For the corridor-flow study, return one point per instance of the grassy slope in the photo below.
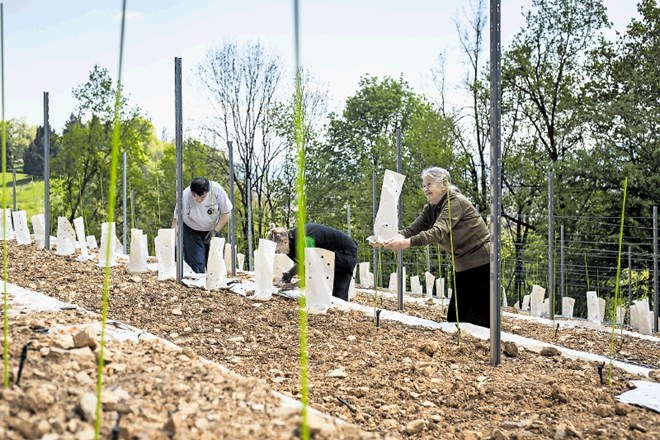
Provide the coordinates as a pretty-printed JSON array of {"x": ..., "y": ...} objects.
[{"x": 29, "y": 194}]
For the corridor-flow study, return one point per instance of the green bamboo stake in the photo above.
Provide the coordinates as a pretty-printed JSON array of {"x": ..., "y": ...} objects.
[
  {"x": 439, "y": 258},
  {"x": 302, "y": 221},
  {"x": 111, "y": 214},
  {"x": 82, "y": 204},
  {"x": 380, "y": 274},
  {"x": 101, "y": 189},
  {"x": 618, "y": 277},
  {"x": 5, "y": 296},
  {"x": 158, "y": 199},
  {"x": 554, "y": 289},
  {"x": 130, "y": 192},
  {"x": 453, "y": 266},
  {"x": 504, "y": 273},
  {"x": 536, "y": 277},
  {"x": 586, "y": 269}
]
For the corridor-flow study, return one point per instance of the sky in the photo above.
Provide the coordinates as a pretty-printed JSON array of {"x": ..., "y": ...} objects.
[{"x": 51, "y": 46}]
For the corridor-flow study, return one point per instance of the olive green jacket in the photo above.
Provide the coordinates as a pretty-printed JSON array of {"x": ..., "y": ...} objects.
[{"x": 470, "y": 235}]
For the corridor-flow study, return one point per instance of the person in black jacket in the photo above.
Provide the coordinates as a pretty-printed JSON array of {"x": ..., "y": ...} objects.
[{"x": 320, "y": 236}]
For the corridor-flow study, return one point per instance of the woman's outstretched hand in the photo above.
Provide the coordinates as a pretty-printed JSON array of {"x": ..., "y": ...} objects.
[
  {"x": 373, "y": 242},
  {"x": 397, "y": 244}
]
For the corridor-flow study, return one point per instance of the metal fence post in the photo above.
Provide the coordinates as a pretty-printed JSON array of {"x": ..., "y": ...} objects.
[
  {"x": 248, "y": 190},
  {"x": 655, "y": 269},
  {"x": 232, "y": 221},
  {"x": 495, "y": 180},
  {"x": 399, "y": 255},
  {"x": 561, "y": 263},
  {"x": 46, "y": 174},
  {"x": 551, "y": 247},
  {"x": 178, "y": 129},
  {"x": 125, "y": 207}
]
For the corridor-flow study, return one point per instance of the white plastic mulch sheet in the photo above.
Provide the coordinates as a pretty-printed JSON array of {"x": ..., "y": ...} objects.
[
  {"x": 27, "y": 300},
  {"x": 647, "y": 394}
]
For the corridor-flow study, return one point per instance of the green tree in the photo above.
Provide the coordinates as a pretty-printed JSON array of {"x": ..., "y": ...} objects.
[
  {"x": 544, "y": 68},
  {"x": 33, "y": 157},
  {"x": 19, "y": 135},
  {"x": 241, "y": 83},
  {"x": 471, "y": 127},
  {"x": 543, "y": 104},
  {"x": 83, "y": 160},
  {"x": 9, "y": 148},
  {"x": 361, "y": 145},
  {"x": 624, "y": 116},
  {"x": 282, "y": 184},
  {"x": 623, "y": 93}
]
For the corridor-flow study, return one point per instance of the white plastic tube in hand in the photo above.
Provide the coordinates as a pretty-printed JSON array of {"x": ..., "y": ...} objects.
[{"x": 386, "y": 224}]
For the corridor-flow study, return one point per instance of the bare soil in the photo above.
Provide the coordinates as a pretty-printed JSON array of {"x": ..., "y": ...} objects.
[
  {"x": 624, "y": 347},
  {"x": 392, "y": 381}
]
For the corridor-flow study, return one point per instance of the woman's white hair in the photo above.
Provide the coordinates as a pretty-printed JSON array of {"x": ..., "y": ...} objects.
[{"x": 442, "y": 176}]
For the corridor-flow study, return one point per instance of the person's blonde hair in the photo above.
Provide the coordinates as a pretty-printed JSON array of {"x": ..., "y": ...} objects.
[{"x": 277, "y": 234}]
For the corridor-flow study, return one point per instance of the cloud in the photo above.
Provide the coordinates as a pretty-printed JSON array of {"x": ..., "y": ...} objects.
[
  {"x": 131, "y": 16},
  {"x": 17, "y": 6}
]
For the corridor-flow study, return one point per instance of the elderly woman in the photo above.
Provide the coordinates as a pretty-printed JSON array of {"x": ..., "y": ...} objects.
[
  {"x": 450, "y": 220},
  {"x": 324, "y": 237}
]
